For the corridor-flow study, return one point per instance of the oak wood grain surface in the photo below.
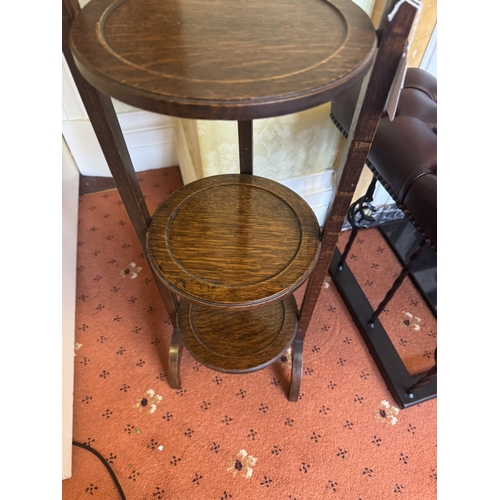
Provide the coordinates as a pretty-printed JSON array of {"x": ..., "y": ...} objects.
[
  {"x": 226, "y": 59},
  {"x": 233, "y": 240},
  {"x": 238, "y": 341}
]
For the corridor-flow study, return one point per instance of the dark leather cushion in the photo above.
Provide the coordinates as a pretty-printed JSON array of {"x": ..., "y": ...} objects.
[{"x": 404, "y": 151}]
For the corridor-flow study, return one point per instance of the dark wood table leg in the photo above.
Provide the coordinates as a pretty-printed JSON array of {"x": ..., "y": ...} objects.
[
  {"x": 245, "y": 143},
  {"x": 174, "y": 360},
  {"x": 109, "y": 134},
  {"x": 366, "y": 119},
  {"x": 296, "y": 376}
]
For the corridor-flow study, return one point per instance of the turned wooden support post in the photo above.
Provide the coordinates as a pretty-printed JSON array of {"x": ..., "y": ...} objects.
[{"x": 245, "y": 143}]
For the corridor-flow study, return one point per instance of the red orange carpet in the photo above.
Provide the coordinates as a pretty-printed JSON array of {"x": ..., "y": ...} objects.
[{"x": 237, "y": 437}]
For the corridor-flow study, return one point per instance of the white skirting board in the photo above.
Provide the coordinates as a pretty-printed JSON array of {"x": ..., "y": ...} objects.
[
  {"x": 317, "y": 190},
  {"x": 70, "y": 184},
  {"x": 150, "y": 139}
]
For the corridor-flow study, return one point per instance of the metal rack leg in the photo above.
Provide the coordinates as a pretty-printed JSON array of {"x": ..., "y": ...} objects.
[{"x": 397, "y": 283}]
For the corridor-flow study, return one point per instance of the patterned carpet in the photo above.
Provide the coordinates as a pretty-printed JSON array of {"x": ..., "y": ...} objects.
[{"x": 237, "y": 437}]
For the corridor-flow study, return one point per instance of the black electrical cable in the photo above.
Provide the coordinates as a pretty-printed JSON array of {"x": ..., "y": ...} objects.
[{"x": 109, "y": 469}]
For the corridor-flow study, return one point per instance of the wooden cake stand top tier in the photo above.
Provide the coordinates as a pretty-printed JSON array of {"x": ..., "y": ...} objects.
[{"x": 222, "y": 59}]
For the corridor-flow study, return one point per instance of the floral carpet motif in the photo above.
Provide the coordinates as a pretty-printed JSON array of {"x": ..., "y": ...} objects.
[{"x": 238, "y": 437}]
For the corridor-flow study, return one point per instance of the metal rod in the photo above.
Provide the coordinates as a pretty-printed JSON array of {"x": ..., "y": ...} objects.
[
  {"x": 397, "y": 283},
  {"x": 358, "y": 209}
]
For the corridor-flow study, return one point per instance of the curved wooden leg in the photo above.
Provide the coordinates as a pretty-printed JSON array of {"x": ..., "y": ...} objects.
[
  {"x": 293, "y": 394},
  {"x": 174, "y": 360}
]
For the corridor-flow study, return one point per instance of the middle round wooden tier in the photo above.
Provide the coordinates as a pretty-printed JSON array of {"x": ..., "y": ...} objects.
[{"x": 233, "y": 240}]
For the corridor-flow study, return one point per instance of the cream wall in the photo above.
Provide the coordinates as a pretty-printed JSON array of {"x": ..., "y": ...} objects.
[
  {"x": 284, "y": 147},
  {"x": 290, "y": 149},
  {"x": 422, "y": 36}
]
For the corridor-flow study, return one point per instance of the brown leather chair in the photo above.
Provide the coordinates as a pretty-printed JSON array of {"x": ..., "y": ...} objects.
[{"x": 403, "y": 156}]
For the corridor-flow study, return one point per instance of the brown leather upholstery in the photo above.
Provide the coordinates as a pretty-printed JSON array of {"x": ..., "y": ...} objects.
[{"x": 404, "y": 152}]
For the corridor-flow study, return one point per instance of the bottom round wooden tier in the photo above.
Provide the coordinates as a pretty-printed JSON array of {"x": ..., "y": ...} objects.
[{"x": 238, "y": 341}]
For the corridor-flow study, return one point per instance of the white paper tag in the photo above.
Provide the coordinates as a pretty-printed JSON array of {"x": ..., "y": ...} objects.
[
  {"x": 416, "y": 3},
  {"x": 393, "y": 97}
]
